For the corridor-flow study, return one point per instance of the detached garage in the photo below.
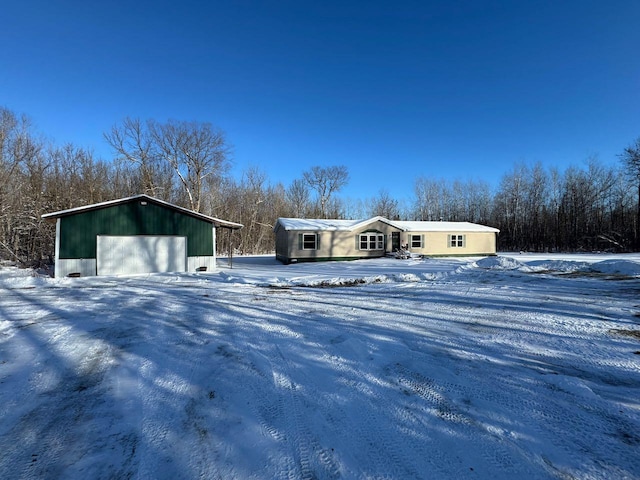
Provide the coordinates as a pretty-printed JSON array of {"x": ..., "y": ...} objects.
[{"x": 133, "y": 235}]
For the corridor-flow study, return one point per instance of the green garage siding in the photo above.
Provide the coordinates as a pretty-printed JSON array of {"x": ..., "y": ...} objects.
[{"x": 78, "y": 232}]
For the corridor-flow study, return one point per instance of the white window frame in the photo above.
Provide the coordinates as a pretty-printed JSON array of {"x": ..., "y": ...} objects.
[
  {"x": 457, "y": 241},
  {"x": 315, "y": 241},
  {"x": 416, "y": 241},
  {"x": 371, "y": 241}
]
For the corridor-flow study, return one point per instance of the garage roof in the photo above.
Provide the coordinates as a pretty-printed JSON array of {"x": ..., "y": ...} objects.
[{"x": 144, "y": 198}]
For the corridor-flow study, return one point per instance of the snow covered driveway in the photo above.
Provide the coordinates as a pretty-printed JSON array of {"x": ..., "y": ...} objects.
[{"x": 494, "y": 368}]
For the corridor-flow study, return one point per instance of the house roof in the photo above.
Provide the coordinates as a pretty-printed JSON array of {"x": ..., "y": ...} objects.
[
  {"x": 327, "y": 224},
  {"x": 142, "y": 197},
  {"x": 350, "y": 225},
  {"x": 445, "y": 227},
  {"x": 315, "y": 224}
]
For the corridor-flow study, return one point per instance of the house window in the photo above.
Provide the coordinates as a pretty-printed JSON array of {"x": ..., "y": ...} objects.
[
  {"x": 371, "y": 241},
  {"x": 456, "y": 241},
  {"x": 309, "y": 241},
  {"x": 416, "y": 241}
]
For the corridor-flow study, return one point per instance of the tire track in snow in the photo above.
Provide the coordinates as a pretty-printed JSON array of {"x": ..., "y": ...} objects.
[
  {"x": 269, "y": 408},
  {"x": 172, "y": 397},
  {"x": 512, "y": 400},
  {"x": 373, "y": 425},
  {"x": 384, "y": 453},
  {"x": 280, "y": 411},
  {"x": 572, "y": 417},
  {"x": 174, "y": 406},
  {"x": 563, "y": 423},
  {"x": 497, "y": 450},
  {"x": 312, "y": 460},
  {"x": 280, "y": 404},
  {"x": 391, "y": 450},
  {"x": 397, "y": 448},
  {"x": 387, "y": 455},
  {"x": 69, "y": 417}
]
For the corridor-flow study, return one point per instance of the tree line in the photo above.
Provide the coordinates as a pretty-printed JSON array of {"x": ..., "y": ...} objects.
[{"x": 583, "y": 208}]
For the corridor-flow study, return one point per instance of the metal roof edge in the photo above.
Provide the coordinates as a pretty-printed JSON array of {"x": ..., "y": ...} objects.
[{"x": 142, "y": 196}]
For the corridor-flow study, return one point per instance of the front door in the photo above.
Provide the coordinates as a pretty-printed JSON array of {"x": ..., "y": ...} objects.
[{"x": 395, "y": 241}]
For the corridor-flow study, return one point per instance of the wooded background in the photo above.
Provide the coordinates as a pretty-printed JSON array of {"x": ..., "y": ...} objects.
[{"x": 588, "y": 207}]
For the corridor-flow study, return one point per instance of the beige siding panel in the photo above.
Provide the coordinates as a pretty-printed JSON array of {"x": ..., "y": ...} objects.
[
  {"x": 476, "y": 243},
  {"x": 333, "y": 244}
]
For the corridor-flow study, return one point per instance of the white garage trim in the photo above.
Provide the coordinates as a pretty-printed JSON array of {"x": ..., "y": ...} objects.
[{"x": 129, "y": 255}]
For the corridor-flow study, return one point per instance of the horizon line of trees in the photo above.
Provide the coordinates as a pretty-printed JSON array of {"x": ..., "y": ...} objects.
[{"x": 583, "y": 208}]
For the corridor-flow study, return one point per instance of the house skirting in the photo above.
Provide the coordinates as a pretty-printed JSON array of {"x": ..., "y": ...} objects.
[
  {"x": 445, "y": 255},
  {"x": 288, "y": 261}
]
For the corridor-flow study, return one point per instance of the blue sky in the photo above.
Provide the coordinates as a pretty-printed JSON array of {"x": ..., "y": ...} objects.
[{"x": 393, "y": 90}]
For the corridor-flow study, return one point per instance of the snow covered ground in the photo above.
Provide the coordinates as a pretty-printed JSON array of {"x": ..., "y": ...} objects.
[{"x": 516, "y": 366}]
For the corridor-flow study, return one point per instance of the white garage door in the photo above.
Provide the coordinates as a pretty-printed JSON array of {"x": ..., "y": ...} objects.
[{"x": 128, "y": 255}]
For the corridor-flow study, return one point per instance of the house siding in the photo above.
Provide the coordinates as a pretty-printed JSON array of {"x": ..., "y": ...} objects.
[
  {"x": 333, "y": 244},
  {"x": 282, "y": 244},
  {"x": 340, "y": 241},
  {"x": 437, "y": 243}
]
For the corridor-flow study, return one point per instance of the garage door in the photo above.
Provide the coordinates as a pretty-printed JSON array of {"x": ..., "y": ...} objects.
[{"x": 128, "y": 255}]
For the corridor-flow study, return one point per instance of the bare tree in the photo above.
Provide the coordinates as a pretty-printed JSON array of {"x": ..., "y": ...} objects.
[
  {"x": 554, "y": 199},
  {"x": 195, "y": 151},
  {"x": 535, "y": 206},
  {"x": 356, "y": 208},
  {"x": 478, "y": 200},
  {"x": 253, "y": 195},
  {"x": 335, "y": 208},
  {"x": 132, "y": 142},
  {"x": 621, "y": 209},
  {"x": 509, "y": 206},
  {"x": 631, "y": 161},
  {"x": 433, "y": 199},
  {"x": 298, "y": 197},
  {"x": 438, "y": 199},
  {"x": 20, "y": 155},
  {"x": 385, "y": 206},
  {"x": 326, "y": 181}
]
